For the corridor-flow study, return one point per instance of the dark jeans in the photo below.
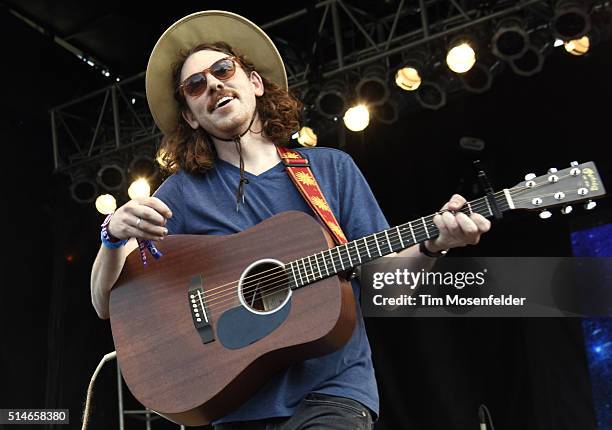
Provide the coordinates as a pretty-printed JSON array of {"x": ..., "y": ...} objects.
[{"x": 316, "y": 411}]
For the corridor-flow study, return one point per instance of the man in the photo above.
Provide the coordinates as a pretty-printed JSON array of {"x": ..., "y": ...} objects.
[{"x": 216, "y": 86}]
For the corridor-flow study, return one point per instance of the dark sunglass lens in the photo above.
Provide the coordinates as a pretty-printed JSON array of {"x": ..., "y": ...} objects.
[
  {"x": 195, "y": 85},
  {"x": 223, "y": 69}
]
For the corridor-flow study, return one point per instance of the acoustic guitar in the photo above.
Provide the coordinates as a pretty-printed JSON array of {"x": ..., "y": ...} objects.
[{"x": 198, "y": 331}]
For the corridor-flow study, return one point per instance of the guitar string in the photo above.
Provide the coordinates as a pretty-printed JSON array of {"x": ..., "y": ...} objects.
[
  {"x": 481, "y": 203},
  {"x": 285, "y": 275},
  {"x": 281, "y": 272}
]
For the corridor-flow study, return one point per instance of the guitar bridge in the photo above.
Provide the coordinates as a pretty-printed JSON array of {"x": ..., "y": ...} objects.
[{"x": 199, "y": 309}]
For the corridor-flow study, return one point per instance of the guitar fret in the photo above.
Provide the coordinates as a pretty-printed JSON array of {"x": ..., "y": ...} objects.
[
  {"x": 318, "y": 267},
  {"x": 412, "y": 231},
  {"x": 325, "y": 263},
  {"x": 367, "y": 248},
  {"x": 388, "y": 241},
  {"x": 311, "y": 269},
  {"x": 377, "y": 246},
  {"x": 426, "y": 231},
  {"x": 508, "y": 198},
  {"x": 293, "y": 271},
  {"x": 299, "y": 273},
  {"x": 305, "y": 271},
  {"x": 312, "y": 275},
  {"x": 349, "y": 254},
  {"x": 340, "y": 257},
  {"x": 357, "y": 249},
  {"x": 332, "y": 261},
  {"x": 399, "y": 233},
  {"x": 488, "y": 206},
  {"x": 470, "y": 208}
]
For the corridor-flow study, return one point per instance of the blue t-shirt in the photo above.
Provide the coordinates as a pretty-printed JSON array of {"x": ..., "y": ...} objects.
[{"x": 206, "y": 204}]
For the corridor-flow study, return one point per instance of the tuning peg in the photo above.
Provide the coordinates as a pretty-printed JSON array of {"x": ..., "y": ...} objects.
[
  {"x": 545, "y": 214},
  {"x": 567, "y": 210},
  {"x": 530, "y": 176},
  {"x": 590, "y": 205},
  {"x": 552, "y": 170},
  {"x": 574, "y": 164}
]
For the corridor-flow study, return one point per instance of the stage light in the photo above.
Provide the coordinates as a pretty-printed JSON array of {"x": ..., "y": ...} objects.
[
  {"x": 307, "y": 137},
  {"x": 478, "y": 79},
  {"x": 510, "y": 39},
  {"x": 372, "y": 87},
  {"x": 579, "y": 46},
  {"x": 111, "y": 175},
  {"x": 408, "y": 78},
  {"x": 387, "y": 113},
  {"x": 571, "y": 20},
  {"x": 532, "y": 61},
  {"x": 143, "y": 166},
  {"x": 106, "y": 204},
  {"x": 431, "y": 95},
  {"x": 461, "y": 56},
  {"x": 331, "y": 101},
  {"x": 357, "y": 118},
  {"x": 83, "y": 189},
  {"x": 139, "y": 189}
]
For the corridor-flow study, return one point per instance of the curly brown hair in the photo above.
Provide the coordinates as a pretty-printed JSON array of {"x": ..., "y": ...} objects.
[{"x": 192, "y": 150}]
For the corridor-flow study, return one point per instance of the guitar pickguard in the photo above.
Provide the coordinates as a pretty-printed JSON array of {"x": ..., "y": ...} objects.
[{"x": 238, "y": 327}]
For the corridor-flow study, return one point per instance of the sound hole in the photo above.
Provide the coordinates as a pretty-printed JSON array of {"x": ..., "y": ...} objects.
[{"x": 265, "y": 286}]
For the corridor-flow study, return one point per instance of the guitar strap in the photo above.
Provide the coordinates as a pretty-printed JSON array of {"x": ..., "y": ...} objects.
[{"x": 299, "y": 171}]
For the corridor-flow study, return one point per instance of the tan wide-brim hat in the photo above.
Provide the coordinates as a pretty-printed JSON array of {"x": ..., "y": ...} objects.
[{"x": 205, "y": 27}]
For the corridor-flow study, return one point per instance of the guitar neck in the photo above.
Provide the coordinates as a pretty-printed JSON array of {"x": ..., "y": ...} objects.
[{"x": 344, "y": 258}]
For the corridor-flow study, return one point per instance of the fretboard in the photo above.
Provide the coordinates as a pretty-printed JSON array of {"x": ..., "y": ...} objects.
[{"x": 346, "y": 257}]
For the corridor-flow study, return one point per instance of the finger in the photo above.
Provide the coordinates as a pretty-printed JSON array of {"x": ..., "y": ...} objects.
[
  {"x": 449, "y": 227},
  {"x": 469, "y": 229},
  {"x": 456, "y": 202},
  {"x": 140, "y": 234},
  {"x": 439, "y": 222},
  {"x": 451, "y": 222},
  {"x": 147, "y": 213},
  {"x": 145, "y": 226},
  {"x": 466, "y": 224},
  {"x": 158, "y": 205},
  {"x": 483, "y": 224}
]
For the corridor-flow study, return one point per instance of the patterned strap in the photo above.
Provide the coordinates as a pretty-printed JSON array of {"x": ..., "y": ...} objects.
[{"x": 299, "y": 171}]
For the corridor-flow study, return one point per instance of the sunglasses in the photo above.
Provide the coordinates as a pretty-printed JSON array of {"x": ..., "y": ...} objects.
[{"x": 195, "y": 85}]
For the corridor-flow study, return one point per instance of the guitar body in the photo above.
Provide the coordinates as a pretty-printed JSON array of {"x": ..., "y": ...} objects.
[{"x": 195, "y": 372}]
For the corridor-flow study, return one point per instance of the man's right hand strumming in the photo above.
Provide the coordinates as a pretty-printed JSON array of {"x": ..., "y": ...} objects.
[{"x": 141, "y": 219}]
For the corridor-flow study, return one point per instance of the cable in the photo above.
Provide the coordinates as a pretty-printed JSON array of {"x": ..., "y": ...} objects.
[
  {"x": 481, "y": 416},
  {"x": 86, "y": 411}
]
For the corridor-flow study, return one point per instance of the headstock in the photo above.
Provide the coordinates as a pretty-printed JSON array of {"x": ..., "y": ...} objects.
[{"x": 577, "y": 183}]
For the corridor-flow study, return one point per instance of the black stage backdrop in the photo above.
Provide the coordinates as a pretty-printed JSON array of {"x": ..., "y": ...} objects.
[{"x": 433, "y": 373}]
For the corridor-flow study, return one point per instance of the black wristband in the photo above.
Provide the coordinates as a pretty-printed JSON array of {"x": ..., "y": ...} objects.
[{"x": 428, "y": 253}]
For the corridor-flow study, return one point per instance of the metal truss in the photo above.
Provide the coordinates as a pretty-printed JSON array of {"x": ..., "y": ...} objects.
[
  {"x": 104, "y": 123},
  {"x": 332, "y": 38}
]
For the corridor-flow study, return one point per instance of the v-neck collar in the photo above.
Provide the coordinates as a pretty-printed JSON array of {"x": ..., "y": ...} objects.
[{"x": 272, "y": 170}]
